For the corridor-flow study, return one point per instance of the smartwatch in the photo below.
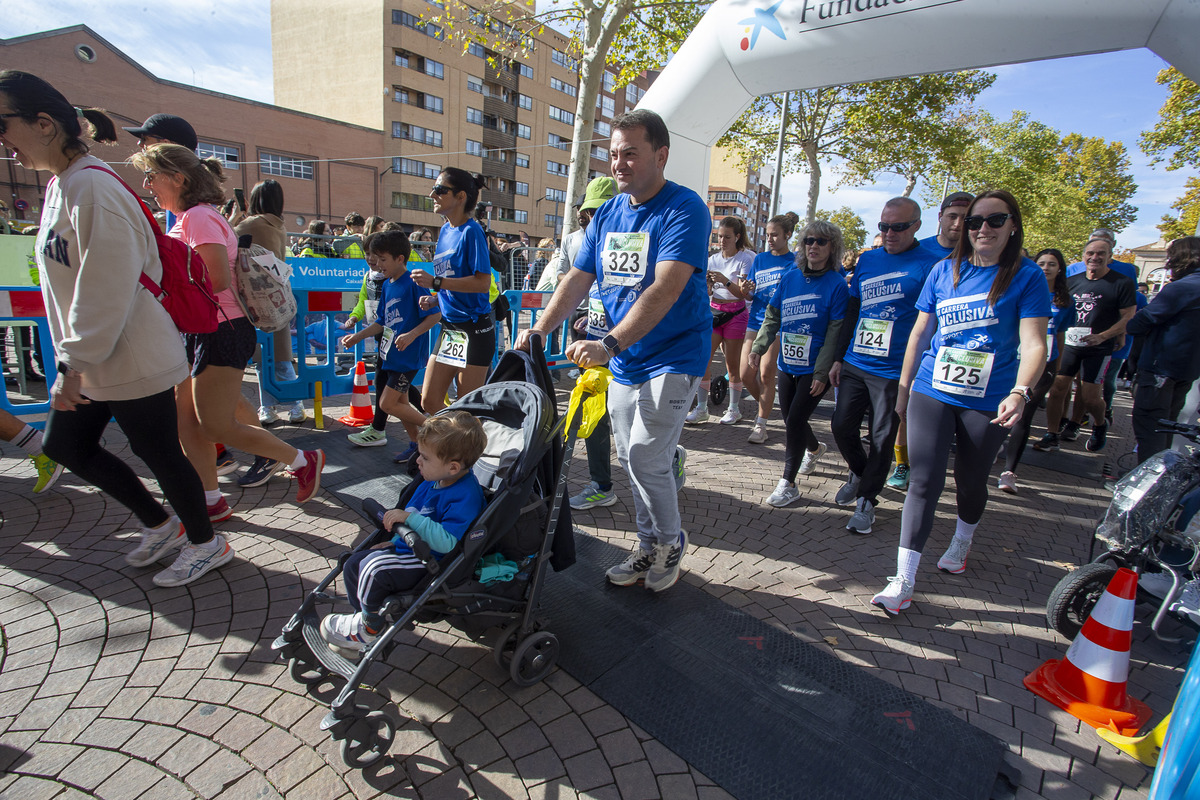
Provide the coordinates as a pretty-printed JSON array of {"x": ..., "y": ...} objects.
[
  {"x": 611, "y": 345},
  {"x": 437, "y": 284},
  {"x": 1024, "y": 392}
]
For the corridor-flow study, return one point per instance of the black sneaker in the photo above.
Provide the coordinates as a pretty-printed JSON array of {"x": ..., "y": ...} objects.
[
  {"x": 1070, "y": 431},
  {"x": 1095, "y": 442},
  {"x": 260, "y": 472},
  {"x": 1046, "y": 443}
]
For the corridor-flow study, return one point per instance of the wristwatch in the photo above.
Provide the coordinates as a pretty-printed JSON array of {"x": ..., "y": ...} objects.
[
  {"x": 437, "y": 284},
  {"x": 1024, "y": 392},
  {"x": 611, "y": 345}
]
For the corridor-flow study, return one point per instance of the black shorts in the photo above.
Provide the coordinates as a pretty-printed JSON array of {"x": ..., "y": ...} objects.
[
  {"x": 400, "y": 381},
  {"x": 1090, "y": 363},
  {"x": 232, "y": 344},
  {"x": 481, "y": 339}
]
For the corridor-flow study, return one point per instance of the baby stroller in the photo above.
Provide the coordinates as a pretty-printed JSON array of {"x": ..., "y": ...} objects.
[{"x": 523, "y": 474}]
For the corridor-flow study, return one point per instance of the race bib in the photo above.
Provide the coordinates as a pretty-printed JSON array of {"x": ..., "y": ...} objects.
[
  {"x": 385, "y": 342},
  {"x": 796, "y": 349},
  {"x": 873, "y": 337},
  {"x": 963, "y": 372},
  {"x": 453, "y": 350},
  {"x": 1074, "y": 336},
  {"x": 625, "y": 258},
  {"x": 1049, "y": 346},
  {"x": 597, "y": 319}
]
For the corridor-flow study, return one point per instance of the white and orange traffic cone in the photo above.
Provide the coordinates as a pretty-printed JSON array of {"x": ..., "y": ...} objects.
[
  {"x": 361, "y": 410},
  {"x": 1089, "y": 683}
]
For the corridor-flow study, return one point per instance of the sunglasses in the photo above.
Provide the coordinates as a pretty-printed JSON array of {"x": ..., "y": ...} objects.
[
  {"x": 896, "y": 227},
  {"x": 975, "y": 222},
  {"x": 4, "y": 125},
  {"x": 819, "y": 241},
  {"x": 439, "y": 190}
]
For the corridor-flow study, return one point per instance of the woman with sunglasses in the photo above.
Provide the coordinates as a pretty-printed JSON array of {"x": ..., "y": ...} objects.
[
  {"x": 759, "y": 287},
  {"x": 977, "y": 346},
  {"x": 805, "y": 315},
  {"x": 461, "y": 278},
  {"x": 726, "y": 268},
  {"x": 207, "y": 399},
  {"x": 1062, "y": 316},
  {"x": 118, "y": 352}
]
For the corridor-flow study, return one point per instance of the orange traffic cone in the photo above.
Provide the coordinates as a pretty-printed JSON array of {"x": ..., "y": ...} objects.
[
  {"x": 1089, "y": 683},
  {"x": 361, "y": 410}
]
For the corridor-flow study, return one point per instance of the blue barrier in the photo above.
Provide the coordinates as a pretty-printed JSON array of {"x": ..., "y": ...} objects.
[
  {"x": 1177, "y": 776},
  {"x": 23, "y": 305},
  {"x": 535, "y": 303}
]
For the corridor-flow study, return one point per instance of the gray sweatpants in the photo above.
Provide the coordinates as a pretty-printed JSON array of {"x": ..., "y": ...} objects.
[{"x": 647, "y": 419}]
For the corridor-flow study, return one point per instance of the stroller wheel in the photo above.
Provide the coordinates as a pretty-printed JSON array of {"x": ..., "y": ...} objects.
[
  {"x": 718, "y": 390},
  {"x": 306, "y": 671},
  {"x": 534, "y": 658},
  {"x": 368, "y": 739},
  {"x": 506, "y": 645}
]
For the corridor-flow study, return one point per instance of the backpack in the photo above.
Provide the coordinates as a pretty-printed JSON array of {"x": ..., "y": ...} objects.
[
  {"x": 260, "y": 284},
  {"x": 186, "y": 292}
]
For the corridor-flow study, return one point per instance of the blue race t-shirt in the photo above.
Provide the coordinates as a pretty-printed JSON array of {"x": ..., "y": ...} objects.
[
  {"x": 766, "y": 272},
  {"x": 461, "y": 253},
  {"x": 972, "y": 360},
  {"x": 932, "y": 245},
  {"x": 454, "y": 508},
  {"x": 622, "y": 247},
  {"x": 806, "y": 305},
  {"x": 1060, "y": 320},
  {"x": 400, "y": 312},
  {"x": 887, "y": 286}
]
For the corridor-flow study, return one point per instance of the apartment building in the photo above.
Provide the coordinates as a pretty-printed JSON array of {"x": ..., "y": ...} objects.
[
  {"x": 304, "y": 152},
  {"x": 506, "y": 112},
  {"x": 736, "y": 191}
]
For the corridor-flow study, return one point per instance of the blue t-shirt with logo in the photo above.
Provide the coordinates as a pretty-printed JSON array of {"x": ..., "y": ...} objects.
[
  {"x": 972, "y": 359},
  {"x": 461, "y": 253},
  {"x": 806, "y": 305},
  {"x": 622, "y": 247},
  {"x": 454, "y": 507},
  {"x": 932, "y": 245},
  {"x": 400, "y": 311},
  {"x": 887, "y": 287},
  {"x": 766, "y": 272},
  {"x": 1060, "y": 320}
]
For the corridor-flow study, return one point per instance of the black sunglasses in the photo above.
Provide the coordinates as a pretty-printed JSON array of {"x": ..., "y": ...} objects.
[
  {"x": 440, "y": 189},
  {"x": 819, "y": 241},
  {"x": 975, "y": 222},
  {"x": 4, "y": 125},
  {"x": 896, "y": 227}
]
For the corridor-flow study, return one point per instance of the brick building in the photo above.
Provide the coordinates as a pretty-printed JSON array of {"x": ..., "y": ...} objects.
[
  {"x": 255, "y": 140},
  {"x": 735, "y": 191}
]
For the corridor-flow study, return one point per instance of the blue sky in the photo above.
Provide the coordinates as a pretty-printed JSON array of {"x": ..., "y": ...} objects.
[{"x": 226, "y": 46}]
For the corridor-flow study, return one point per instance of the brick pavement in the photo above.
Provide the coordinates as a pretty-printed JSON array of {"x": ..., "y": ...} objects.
[{"x": 110, "y": 687}]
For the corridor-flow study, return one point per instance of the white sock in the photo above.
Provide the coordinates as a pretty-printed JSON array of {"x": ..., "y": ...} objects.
[
  {"x": 29, "y": 440},
  {"x": 213, "y": 497},
  {"x": 906, "y": 564},
  {"x": 164, "y": 527},
  {"x": 760, "y": 420},
  {"x": 964, "y": 531},
  {"x": 299, "y": 461}
]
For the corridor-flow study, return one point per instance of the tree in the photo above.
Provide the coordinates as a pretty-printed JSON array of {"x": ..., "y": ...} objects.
[
  {"x": 854, "y": 230},
  {"x": 858, "y": 125},
  {"x": 1102, "y": 170},
  {"x": 1188, "y": 206},
  {"x": 1176, "y": 137}
]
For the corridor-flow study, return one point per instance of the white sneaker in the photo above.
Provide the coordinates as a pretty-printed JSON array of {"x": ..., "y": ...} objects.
[
  {"x": 954, "y": 560},
  {"x": 1007, "y": 482},
  {"x": 758, "y": 435},
  {"x": 194, "y": 561},
  {"x": 155, "y": 545},
  {"x": 784, "y": 495},
  {"x": 847, "y": 495},
  {"x": 1188, "y": 603},
  {"x": 809, "y": 463},
  {"x": 297, "y": 414},
  {"x": 368, "y": 437},
  {"x": 731, "y": 417},
  {"x": 346, "y": 632},
  {"x": 697, "y": 415},
  {"x": 267, "y": 415},
  {"x": 1156, "y": 583},
  {"x": 895, "y": 597},
  {"x": 863, "y": 517},
  {"x": 668, "y": 558}
]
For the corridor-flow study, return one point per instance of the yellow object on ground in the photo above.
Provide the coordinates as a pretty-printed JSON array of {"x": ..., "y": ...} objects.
[{"x": 1144, "y": 748}]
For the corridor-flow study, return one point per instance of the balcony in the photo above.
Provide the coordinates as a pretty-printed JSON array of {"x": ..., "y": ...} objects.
[
  {"x": 493, "y": 138},
  {"x": 501, "y": 76},
  {"x": 496, "y": 198},
  {"x": 495, "y": 168},
  {"x": 500, "y": 109}
]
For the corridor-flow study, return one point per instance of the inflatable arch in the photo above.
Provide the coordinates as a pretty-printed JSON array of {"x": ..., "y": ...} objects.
[{"x": 745, "y": 48}]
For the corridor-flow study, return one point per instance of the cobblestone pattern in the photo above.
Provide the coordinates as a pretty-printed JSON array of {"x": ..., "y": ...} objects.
[{"x": 111, "y": 687}]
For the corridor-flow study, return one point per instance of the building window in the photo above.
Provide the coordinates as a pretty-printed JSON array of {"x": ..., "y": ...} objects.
[
  {"x": 558, "y": 142},
  {"x": 230, "y": 157},
  {"x": 521, "y": 216},
  {"x": 428, "y": 66},
  {"x": 601, "y": 128},
  {"x": 563, "y": 87},
  {"x": 415, "y": 202},
  {"x": 633, "y": 95},
  {"x": 412, "y": 97},
  {"x": 525, "y": 102},
  {"x": 522, "y": 160},
  {"x": 496, "y": 154},
  {"x": 607, "y": 106},
  {"x": 561, "y": 115},
  {"x": 409, "y": 166},
  {"x": 474, "y": 116},
  {"x": 559, "y": 195},
  {"x": 610, "y": 82},
  {"x": 599, "y": 153},
  {"x": 553, "y": 221},
  {"x": 524, "y": 70},
  {"x": 474, "y": 84},
  {"x": 285, "y": 166},
  {"x": 564, "y": 60},
  {"x": 474, "y": 148},
  {"x": 476, "y": 49},
  {"x": 417, "y": 24},
  {"x": 415, "y": 133},
  {"x": 523, "y": 131},
  {"x": 555, "y": 168},
  {"x": 521, "y": 188}
]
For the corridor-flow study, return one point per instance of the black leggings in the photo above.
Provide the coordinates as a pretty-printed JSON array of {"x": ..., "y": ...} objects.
[
  {"x": 797, "y": 406},
  {"x": 73, "y": 440},
  {"x": 1020, "y": 432},
  {"x": 931, "y": 425}
]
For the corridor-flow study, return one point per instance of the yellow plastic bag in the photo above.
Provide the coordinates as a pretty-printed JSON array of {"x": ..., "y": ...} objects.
[{"x": 590, "y": 393}]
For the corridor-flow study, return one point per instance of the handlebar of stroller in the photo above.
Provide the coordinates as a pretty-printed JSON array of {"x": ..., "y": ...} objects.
[
  {"x": 1180, "y": 429},
  {"x": 375, "y": 510}
]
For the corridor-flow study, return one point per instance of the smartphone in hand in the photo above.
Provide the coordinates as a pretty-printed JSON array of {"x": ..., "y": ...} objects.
[{"x": 240, "y": 196}]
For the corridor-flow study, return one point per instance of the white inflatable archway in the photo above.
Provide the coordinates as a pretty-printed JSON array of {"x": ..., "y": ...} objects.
[{"x": 745, "y": 48}]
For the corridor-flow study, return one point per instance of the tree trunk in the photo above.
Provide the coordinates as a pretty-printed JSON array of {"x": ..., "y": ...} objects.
[
  {"x": 910, "y": 182},
  {"x": 814, "y": 180}
]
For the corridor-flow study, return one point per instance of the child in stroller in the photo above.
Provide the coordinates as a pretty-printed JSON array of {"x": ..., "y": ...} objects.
[{"x": 440, "y": 512}]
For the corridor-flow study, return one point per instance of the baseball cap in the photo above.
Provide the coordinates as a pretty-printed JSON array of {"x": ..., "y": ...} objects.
[
  {"x": 958, "y": 199},
  {"x": 167, "y": 126},
  {"x": 599, "y": 191}
]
